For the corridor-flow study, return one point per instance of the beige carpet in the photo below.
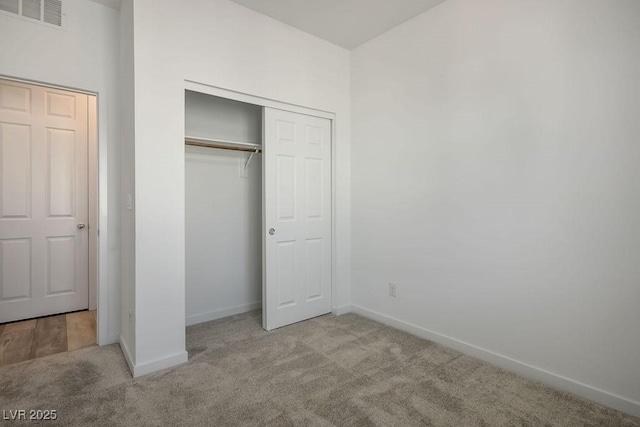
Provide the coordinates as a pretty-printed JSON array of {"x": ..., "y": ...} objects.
[{"x": 330, "y": 370}]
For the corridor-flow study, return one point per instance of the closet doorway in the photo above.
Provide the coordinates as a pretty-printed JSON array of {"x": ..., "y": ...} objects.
[{"x": 258, "y": 208}]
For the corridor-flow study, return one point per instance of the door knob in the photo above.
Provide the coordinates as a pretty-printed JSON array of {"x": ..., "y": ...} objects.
[
  {"x": 272, "y": 231},
  {"x": 81, "y": 226}
]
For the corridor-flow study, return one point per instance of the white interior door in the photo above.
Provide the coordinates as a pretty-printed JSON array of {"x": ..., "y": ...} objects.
[
  {"x": 43, "y": 201},
  {"x": 297, "y": 217}
]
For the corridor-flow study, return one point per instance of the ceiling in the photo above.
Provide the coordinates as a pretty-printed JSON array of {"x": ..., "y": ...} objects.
[
  {"x": 111, "y": 3},
  {"x": 347, "y": 23}
]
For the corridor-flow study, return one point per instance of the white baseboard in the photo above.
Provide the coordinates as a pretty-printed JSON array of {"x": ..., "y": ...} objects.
[
  {"x": 343, "y": 309},
  {"x": 160, "y": 364},
  {"x": 221, "y": 313},
  {"x": 153, "y": 365},
  {"x": 572, "y": 386},
  {"x": 127, "y": 355}
]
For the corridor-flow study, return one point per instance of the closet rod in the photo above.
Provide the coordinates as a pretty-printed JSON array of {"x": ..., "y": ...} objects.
[{"x": 225, "y": 145}]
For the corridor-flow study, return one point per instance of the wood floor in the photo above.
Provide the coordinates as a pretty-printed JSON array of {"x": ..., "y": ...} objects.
[{"x": 31, "y": 339}]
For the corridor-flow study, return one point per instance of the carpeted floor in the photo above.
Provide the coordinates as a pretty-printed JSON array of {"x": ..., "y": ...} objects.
[{"x": 341, "y": 371}]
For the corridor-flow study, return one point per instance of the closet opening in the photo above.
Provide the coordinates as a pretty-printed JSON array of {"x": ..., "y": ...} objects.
[
  {"x": 223, "y": 207},
  {"x": 258, "y": 209}
]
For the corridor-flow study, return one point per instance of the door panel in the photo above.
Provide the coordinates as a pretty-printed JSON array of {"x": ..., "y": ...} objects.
[
  {"x": 313, "y": 188},
  {"x": 44, "y": 196},
  {"x": 286, "y": 268},
  {"x": 16, "y": 269},
  {"x": 286, "y": 188},
  {"x": 61, "y": 105},
  {"x": 15, "y": 150},
  {"x": 297, "y": 204},
  {"x": 15, "y": 98},
  {"x": 61, "y": 260},
  {"x": 314, "y": 269},
  {"x": 61, "y": 177}
]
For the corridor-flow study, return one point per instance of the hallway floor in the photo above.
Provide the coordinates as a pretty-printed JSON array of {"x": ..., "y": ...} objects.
[{"x": 31, "y": 339}]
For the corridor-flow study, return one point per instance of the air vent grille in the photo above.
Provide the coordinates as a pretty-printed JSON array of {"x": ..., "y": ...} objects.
[
  {"x": 44, "y": 11},
  {"x": 53, "y": 12},
  {"x": 32, "y": 9},
  {"x": 11, "y": 6}
]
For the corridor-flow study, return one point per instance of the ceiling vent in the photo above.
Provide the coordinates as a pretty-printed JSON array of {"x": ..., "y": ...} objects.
[{"x": 47, "y": 12}]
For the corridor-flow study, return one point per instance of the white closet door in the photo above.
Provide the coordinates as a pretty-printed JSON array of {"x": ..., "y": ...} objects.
[
  {"x": 44, "y": 250},
  {"x": 297, "y": 217}
]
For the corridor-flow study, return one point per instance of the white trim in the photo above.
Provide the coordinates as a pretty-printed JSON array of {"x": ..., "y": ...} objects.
[
  {"x": 264, "y": 230},
  {"x": 255, "y": 100},
  {"x": 334, "y": 215},
  {"x": 48, "y": 85},
  {"x": 343, "y": 309},
  {"x": 279, "y": 105},
  {"x": 221, "y": 313},
  {"x": 92, "y": 153},
  {"x": 561, "y": 382},
  {"x": 160, "y": 364},
  {"x": 153, "y": 365},
  {"x": 105, "y": 314}
]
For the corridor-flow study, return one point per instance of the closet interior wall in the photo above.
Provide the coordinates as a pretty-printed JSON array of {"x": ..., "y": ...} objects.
[{"x": 223, "y": 210}]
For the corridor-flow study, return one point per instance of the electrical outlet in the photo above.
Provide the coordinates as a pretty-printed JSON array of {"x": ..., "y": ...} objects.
[{"x": 393, "y": 289}]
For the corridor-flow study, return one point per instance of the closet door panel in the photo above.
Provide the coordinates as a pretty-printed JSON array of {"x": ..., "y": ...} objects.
[
  {"x": 286, "y": 188},
  {"x": 297, "y": 217},
  {"x": 286, "y": 273},
  {"x": 313, "y": 190},
  {"x": 313, "y": 279}
]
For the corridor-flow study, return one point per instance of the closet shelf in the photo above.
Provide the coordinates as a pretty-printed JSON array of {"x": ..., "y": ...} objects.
[{"x": 223, "y": 144}]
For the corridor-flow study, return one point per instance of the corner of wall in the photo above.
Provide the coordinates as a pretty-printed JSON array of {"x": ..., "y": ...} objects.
[
  {"x": 127, "y": 214},
  {"x": 128, "y": 355}
]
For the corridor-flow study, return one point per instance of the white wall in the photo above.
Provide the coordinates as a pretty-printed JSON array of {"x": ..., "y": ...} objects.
[
  {"x": 223, "y": 234},
  {"x": 84, "y": 55},
  {"x": 209, "y": 116},
  {"x": 219, "y": 43},
  {"x": 496, "y": 182}
]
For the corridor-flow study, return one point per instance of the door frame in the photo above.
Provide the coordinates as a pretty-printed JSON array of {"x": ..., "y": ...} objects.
[
  {"x": 96, "y": 155},
  {"x": 220, "y": 92}
]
